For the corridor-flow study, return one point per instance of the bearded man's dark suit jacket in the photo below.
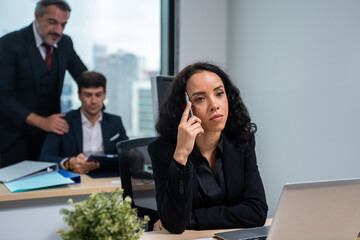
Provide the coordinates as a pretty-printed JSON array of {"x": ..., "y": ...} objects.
[
  {"x": 26, "y": 85},
  {"x": 57, "y": 147}
]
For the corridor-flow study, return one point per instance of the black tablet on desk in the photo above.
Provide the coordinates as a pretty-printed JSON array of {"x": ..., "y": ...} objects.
[{"x": 109, "y": 165}]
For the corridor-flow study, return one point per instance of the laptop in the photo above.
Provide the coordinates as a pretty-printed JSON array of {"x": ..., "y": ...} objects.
[{"x": 313, "y": 210}]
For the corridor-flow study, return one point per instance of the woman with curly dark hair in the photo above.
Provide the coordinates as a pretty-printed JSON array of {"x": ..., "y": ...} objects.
[{"x": 204, "y": 164}]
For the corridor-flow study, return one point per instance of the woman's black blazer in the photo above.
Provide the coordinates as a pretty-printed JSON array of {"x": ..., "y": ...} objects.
[{"x": 177, "y": 190}]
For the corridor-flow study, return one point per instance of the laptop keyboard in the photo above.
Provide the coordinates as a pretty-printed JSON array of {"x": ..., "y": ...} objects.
[{"x": 257, "y": 238}]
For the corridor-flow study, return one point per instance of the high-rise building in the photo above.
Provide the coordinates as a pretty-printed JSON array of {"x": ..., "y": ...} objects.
[
  {"x": 69, "y": 97},
  {"x": 121, "y": 70},
  {"x": 143, "y": 119}
]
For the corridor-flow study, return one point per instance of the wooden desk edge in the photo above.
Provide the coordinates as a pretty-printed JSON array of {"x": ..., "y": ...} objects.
[
  {"x": 87, "y": 186},
  {"x": 189, "y": 234}
]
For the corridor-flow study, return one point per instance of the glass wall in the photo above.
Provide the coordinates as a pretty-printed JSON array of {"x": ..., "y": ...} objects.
[{"x": 118, "y": 38}]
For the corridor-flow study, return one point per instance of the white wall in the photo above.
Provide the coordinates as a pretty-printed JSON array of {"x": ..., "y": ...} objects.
[
  {"x": 202, "y": 32},
  {"x": 297, "y": 65}
]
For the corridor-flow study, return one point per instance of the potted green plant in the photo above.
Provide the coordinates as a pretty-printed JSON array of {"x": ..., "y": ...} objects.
[{"x": 103, "y": 216}]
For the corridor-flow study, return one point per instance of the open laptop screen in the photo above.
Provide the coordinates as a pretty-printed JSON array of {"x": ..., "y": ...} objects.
[{"x": 315, "y": 210}]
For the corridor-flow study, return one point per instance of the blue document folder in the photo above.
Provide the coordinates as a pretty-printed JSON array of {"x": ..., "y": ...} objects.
[
  {"x": 51, "y": 179},
  {"x": 73, "y": 176}
]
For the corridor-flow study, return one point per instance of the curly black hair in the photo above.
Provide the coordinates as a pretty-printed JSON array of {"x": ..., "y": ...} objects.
[{"x": 173, "y": 106}]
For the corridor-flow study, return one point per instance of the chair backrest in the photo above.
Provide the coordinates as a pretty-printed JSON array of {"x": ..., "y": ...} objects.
[{"x": 136, "y": 171}]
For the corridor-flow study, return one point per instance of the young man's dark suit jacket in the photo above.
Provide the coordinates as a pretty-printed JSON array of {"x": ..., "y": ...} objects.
[
  {"x": 21, "y": 65},
  {"x": 57, "y": 147},
  {"x": 177, "y": 190}
]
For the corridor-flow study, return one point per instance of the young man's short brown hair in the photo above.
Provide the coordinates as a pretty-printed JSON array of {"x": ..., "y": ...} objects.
[{"x": 91, "y": 79}]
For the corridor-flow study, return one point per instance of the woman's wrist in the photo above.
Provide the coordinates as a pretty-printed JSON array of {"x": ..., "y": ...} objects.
[{"x": 180, "y": 157}]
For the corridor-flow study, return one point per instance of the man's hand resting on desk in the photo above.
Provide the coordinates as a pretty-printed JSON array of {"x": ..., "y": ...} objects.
[{"x": 80, "y": 164}]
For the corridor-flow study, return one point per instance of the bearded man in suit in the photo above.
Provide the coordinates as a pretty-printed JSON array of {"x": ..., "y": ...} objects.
[{"x": 33, "y": 62}]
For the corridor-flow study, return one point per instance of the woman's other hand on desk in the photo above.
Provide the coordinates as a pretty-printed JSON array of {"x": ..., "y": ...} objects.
[
  {"x": 188, "y": 130},
  {"x": 158, "y": 226}
]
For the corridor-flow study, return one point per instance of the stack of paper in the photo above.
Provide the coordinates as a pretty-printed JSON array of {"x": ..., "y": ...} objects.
[{"x": 29, "y": 175}]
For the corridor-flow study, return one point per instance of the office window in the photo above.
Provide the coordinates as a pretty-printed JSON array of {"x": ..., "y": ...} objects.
[{"x": 118, "y": 38}]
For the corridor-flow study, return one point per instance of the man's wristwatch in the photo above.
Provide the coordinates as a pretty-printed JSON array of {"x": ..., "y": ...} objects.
[{"x": 67, "y": 164}]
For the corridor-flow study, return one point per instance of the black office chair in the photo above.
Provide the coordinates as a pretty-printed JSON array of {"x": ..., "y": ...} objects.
[{"x": 136, "y": 168}]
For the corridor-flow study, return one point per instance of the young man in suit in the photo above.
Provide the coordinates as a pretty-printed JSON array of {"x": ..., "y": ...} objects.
[
  {"x": 91, "y": 131},
  {"x": 33, "y": 62}
]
